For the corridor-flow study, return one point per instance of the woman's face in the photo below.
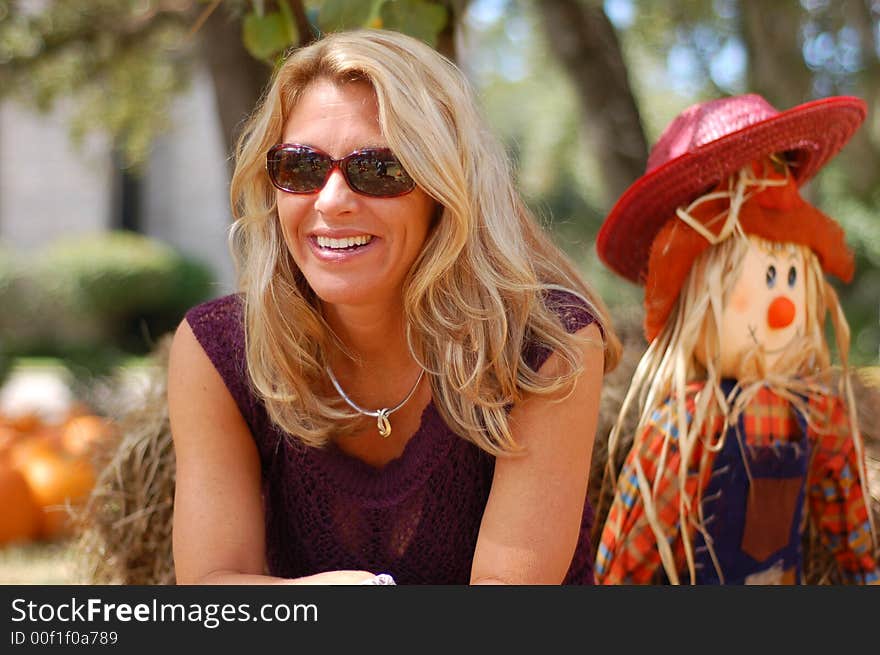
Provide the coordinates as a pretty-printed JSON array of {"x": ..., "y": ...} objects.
[
  {"x": 386, "y": 234},
  {"x": 766, "y": 310}
]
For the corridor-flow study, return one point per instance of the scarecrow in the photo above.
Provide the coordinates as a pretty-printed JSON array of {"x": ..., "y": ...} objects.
[{"x": 747, "y": 434}]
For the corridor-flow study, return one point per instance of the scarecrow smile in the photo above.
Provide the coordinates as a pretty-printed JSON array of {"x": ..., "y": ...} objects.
[{"x": 753, "y": 329}]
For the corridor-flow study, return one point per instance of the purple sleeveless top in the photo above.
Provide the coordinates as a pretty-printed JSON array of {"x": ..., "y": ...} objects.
[{"x": 416, "y": 518}]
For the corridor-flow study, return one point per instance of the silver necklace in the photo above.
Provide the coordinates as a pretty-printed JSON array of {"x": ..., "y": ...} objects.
[{"x": 381, "y": 415}]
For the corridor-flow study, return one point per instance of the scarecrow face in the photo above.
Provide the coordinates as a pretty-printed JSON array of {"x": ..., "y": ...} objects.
[{"x": 766, "y": 311}]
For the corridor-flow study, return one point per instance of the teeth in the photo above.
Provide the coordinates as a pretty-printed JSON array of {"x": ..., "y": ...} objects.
[{"x": 347, "y": 242}]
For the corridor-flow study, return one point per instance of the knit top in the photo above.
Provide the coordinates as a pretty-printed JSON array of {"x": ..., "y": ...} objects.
[{"x": 416, "y": 518}]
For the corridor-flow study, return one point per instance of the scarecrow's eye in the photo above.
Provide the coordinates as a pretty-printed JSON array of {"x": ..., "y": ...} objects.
[
  {"x": 771, "y": 276},
  {"x": 792, "y": 277}
]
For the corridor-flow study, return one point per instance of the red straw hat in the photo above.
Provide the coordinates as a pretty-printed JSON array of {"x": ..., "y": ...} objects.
[{"x": 705, "y": 144}]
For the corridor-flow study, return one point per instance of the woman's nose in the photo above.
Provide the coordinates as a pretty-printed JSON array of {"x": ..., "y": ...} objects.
[
  {"x": 780, "y": 313},
  {"x": 335, "y": 196}
]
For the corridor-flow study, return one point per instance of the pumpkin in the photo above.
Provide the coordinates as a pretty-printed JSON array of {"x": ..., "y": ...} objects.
[
  {"x": 20, "y": 518},
  {"x": 23, "y": 449},
  {"x": 81, "y": 433},
  {"x": 25, "y": 423},
  {"x": 56, "y": 479},
  {"x": 8, "y": 437}
]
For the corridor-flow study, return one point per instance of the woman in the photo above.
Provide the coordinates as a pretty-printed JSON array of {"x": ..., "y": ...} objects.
[{"x": 408, "y": 381}]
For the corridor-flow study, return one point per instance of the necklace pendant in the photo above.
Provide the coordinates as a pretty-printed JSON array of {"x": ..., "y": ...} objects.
[{"x": 383, "y": 424}]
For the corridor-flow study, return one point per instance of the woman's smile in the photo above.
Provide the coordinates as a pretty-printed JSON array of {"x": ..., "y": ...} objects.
[{"x": 342, "y": 249}]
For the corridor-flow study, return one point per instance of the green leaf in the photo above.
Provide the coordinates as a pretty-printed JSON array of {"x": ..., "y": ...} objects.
[
  {"x": 419, "y": 18},
  {"x": 338, "y": 15},
  {"x": 265, "y": 35},
  {"x": 289, "y": 21}
]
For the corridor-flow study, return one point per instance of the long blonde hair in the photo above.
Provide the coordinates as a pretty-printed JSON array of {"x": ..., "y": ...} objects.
[
  {"x": 472, "y": 299},
  {"x": 671, "y": 363}
]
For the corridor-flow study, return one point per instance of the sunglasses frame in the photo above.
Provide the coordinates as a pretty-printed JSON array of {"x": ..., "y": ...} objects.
[{"x": 334, "y": 164}]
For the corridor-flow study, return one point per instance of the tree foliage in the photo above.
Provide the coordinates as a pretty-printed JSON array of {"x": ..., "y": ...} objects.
[
  {"x": 118, "y": 63},
  {"x": 548, "y": 82}
]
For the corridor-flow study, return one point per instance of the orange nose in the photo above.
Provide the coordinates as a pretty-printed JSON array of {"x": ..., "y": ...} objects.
[{"x": 781, "y": 313}]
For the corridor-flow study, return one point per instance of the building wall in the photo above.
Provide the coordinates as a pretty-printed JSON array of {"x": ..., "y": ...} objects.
[
  {"x": 186, "y": 188},
  {"x": 50, "y": 189}
]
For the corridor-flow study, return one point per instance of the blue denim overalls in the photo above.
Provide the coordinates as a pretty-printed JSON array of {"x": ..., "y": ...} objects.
[{"x": 755, "y": 527}]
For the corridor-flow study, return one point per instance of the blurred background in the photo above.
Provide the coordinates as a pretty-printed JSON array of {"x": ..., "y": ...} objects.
[{"x": 117, "y": 118}]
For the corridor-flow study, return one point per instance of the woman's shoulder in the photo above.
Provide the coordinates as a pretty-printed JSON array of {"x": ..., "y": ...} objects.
[
  {"x": 574, "y": 313},
  {"x": 573, "y": 310},
  {"x": 218, "y": 326},
  {"x": 223, "y": 311}
]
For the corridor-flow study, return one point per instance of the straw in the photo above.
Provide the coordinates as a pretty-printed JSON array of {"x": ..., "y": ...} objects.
[{"x": 124, "y": 528}]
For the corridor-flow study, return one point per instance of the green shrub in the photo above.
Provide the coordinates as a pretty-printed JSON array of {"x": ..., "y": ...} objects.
[
  {"x": 93, "y": 300},
  {"x": 13, "y": 306}
]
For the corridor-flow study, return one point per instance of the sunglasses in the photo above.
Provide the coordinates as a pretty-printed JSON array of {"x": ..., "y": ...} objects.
[{"x": 370, "y": 171}]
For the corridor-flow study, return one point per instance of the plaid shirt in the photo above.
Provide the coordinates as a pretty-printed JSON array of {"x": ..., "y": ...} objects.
[{"x": 628, "y": 551}]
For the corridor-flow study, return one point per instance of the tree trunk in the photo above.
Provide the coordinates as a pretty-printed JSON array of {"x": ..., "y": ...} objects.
[
  {"x": 585, "y": 42},
  {"x": 238, "y": 78},
  {"x": 776, "y": 67},
  {"x": 861, "y": 156},
  {"x": 446, "y": 40}
]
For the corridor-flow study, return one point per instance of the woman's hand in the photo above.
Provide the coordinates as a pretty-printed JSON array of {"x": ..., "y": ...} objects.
[
  {"x": 336, "y": 578},
  {"x": 325, "y": 578}
]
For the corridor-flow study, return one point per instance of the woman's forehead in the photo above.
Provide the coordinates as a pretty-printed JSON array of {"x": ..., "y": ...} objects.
[{"x": 331, "y": 114}]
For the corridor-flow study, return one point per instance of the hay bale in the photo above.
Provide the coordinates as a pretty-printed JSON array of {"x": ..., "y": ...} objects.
[
  {"x": 866, "y": 387},
  {"x": 124, "y": 528},
  {"x": 628, "y": 325}
]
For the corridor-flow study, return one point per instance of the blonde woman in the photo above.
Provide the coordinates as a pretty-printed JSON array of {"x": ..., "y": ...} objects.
[
  {"x": 406, "y": 386},
  {"x": 745, "y": 439}
]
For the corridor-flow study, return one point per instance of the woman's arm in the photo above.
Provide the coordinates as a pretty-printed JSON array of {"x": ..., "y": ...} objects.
[
  {"x": 218, "y": 534},
  {"x": 532, "y": 520}
]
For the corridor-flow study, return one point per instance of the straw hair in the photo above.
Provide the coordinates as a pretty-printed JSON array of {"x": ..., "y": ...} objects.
[{"x": 473, "y": 297}]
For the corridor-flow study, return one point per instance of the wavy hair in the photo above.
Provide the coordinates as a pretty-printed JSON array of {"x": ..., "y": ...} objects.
[{"x": 474, "y": 296}]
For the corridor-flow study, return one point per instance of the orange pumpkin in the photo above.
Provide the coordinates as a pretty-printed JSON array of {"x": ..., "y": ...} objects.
[
  {"x": 81, "y": 433},
  {"x": 23, "y": 449},
  {"x": 20, "y": 518},
  {"x": 56, "y": 479},
  {"x": 78, "y": 409},
  {"x": 25, "y": 423},
  {"x": 8, "y": 437}
]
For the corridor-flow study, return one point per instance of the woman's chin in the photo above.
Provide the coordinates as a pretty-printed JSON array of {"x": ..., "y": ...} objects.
[
  {"x": 337, "y": 296},
  {"x": 338, "y": 292}
]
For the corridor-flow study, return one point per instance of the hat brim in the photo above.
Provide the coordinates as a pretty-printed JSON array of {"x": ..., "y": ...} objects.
[{"x": 815, "y": 131}]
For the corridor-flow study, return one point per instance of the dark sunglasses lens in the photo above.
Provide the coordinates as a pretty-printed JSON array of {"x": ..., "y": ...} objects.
[
  {"x": 377, "y": 173},
  {"x": 300, "y": 170}
]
